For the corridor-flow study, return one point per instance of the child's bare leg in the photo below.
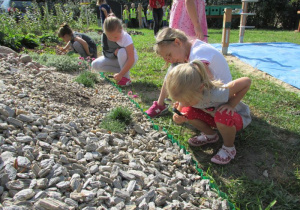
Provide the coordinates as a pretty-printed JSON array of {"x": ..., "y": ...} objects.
[
  {"x": 228, "y": 134},
  {"x": 202, "y": 126},
  {"x": 163, "y": 94}
]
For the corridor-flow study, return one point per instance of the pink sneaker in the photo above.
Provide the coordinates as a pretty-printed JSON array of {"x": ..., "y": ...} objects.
[
  {"x": 124, "y": 82},
  {"x": 156, "y": 110},
  {"x": 201, "y": 140}
]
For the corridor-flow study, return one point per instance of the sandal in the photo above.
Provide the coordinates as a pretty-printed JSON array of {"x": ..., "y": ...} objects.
[
  {"x": 223, "y": 156},
  {"x": 201, "y": 140}
]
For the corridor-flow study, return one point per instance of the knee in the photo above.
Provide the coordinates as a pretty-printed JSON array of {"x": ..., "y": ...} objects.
[
  {"x": 122, "y": 53},
  {"x": 97, "y": 64}
]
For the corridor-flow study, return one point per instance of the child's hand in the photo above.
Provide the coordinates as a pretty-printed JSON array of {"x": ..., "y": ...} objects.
[
  {"x": 227, "y": 107},
  {"x": 179, "y": 119},
  {"x": 117, "y": 77}
]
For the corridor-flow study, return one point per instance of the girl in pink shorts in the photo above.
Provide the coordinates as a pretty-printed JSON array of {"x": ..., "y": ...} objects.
[{"x": 207, "y": 105}]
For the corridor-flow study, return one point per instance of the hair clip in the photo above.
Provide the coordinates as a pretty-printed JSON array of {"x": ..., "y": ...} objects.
[{"x": 166, "y": 40}]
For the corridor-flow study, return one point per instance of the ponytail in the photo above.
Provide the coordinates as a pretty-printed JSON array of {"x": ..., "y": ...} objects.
[{"x": 64, "y": 29}]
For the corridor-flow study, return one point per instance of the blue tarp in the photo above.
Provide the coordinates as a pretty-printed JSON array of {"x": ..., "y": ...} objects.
[{"x": 279, "y": 59}]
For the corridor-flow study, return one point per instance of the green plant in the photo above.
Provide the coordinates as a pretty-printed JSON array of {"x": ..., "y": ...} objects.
[
  {"x": 30, "y": 41},
  {"x": 112, "y": 125},
  {"x": 88, "y": 79},
  {"x": 95, "y": 36},
  {"x": 48, "y": 37},
  {"x": 117, "y": 119},
  {"x": 62, "y": 63}
]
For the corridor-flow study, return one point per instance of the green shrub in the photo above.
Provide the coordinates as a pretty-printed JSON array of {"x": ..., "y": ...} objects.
[
  {"x": 121, "y": 114},
  {"x": 62, "y": 63},
  {"x": 95, "y": 36},
  {"x": 117, "y": 119},
  {"x": 46, "y": 38},
  {"x": 30, "y": 41},
  {"x": 87, "y": 78},
  {"x": 112, "y": 125}
]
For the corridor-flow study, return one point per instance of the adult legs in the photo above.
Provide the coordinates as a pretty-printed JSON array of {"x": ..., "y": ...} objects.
[{"x": 157, "y": 17}]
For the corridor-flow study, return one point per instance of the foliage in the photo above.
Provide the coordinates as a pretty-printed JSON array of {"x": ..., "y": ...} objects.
[
  {"x": 30, "y": 41},
  {"x": 88, "y": 79},
  {"x": 48, "y": 38},
  {"x": 63, "y": 63},
  {"x": 112, "y": 125},
  {"x": 117, "y": 119},
  {"x": 95, "y": 36}
]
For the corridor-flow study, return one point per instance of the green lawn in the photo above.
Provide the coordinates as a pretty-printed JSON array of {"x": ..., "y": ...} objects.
[{"x": 271, "y": 144}]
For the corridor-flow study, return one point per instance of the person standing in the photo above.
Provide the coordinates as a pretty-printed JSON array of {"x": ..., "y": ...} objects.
[
  {"x": 126, "y": 15},
  {"x": 157, "y": 13},
  {"x": 104, "y": 9},
  {"x": 150, "y": 17},
  {"x": 133, "y": 16},
  {"x": 189, "y": 16}
]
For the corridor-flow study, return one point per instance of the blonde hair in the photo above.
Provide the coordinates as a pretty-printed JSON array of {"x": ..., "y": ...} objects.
[
  {"x": 166, "y": 36},
  {"x": 185, "y": 81},
  {"x": 111, "y": 24}
]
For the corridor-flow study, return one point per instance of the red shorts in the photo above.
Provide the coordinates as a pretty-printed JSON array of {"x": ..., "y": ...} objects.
[{"x": 197, "y": 114}]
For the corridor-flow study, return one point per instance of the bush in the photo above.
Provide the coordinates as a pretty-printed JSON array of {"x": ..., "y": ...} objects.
[
  {"x": 62, "y": 63},
  {"x": 95, "y": 36},
  {"x": 113, "y": 125},
  {"x": 29, "y": 41},
  {"x": 88, "y": 79},
  {"x": 49, "y": 38}
]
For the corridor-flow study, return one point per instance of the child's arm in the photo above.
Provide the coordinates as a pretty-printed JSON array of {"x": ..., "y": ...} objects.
[
  {"x": 67, "y": 46},
  {"x": 192, "y": 11},
  {"x": 129, "y": 63},
  {"x": 104, "y": 11},
  {"x": 84, "y": 44},
  {"x": 237, "y": 90}
]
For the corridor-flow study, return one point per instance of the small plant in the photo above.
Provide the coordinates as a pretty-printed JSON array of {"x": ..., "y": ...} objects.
[
  {"x": 117, "y": 119},
  {"x": 87, "y": 78}
]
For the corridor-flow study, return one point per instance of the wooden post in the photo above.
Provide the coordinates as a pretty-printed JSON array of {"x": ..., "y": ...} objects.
[
  {"x": 226, "y": 30},
  {"x": 140, "y": 15},
  {"x": 243, "y": 20}
]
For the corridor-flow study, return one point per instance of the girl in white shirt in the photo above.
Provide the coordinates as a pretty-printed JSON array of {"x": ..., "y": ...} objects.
[{"x": 125, "y": 56}]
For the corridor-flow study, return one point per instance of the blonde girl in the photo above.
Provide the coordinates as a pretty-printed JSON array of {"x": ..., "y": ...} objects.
[
  {"x": 207, "y": 104},
  {"x": 119, "y": 54},
  {"x": 175, "y": 47}
]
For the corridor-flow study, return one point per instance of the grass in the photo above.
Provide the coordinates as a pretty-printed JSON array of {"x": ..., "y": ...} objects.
[{"x": 271, "y": 143}]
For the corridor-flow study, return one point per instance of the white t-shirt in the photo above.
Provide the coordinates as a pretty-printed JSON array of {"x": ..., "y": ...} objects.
[
  {"x": 217, "y": 64},
  {"x": 125, "y": 41}
]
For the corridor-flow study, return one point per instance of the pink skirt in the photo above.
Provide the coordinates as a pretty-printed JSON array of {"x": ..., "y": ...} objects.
[{"x": 180, "y": 19}]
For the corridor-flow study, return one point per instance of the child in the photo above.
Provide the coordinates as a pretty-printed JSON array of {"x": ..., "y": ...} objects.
[
  {"x": 165, "y": 16},
  {"x": 119, "y": 54},
  {"x": 126, "y": 15},
  {"x": 175, "y": 47},
  {"x": 190, "y": 17},
  {"x": 104, "y": 9},
  {"x": 133, "y": 16},
  {"x": 207, "y": 104},
  {"x": 143, "y": 21},
  {"x": 80, "y": 43},
  {"x": 149, "y": 17}
]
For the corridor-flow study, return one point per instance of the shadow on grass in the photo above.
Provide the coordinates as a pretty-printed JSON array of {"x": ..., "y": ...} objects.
[{"x": 263, "y": 169}]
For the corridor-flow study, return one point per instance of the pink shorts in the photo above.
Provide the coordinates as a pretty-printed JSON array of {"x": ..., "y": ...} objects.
[{"x": 197, "y": 114}]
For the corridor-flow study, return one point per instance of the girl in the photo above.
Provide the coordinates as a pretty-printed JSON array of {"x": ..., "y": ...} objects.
[
  {"x": 149, "y": 17},
  {"x": 207, "y": 104},
  {"x": 175, "y": 47},
  {"x": 80, "y": 43},
  {"x": 104, "y": 9},
  {"x": 126, "y": 15},
  {"x": 189, "y": 16},
  {"x": 119, "y": 54}
]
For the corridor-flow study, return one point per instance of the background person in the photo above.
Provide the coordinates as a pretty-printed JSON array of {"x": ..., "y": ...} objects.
[
  {"x": 157, "y": 13},
  {"x": 190, "y": 17},
  {"x": 104, "y": 10}
]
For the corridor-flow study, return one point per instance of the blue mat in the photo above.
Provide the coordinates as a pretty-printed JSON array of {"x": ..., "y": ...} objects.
[{"x": 279, "y": 59}]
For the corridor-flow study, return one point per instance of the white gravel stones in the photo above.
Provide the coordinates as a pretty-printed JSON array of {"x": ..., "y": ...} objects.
[{"x": 53, "y": 155}]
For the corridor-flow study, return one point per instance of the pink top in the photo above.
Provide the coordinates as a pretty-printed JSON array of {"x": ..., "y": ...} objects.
[{"x": 180, "y": 19}]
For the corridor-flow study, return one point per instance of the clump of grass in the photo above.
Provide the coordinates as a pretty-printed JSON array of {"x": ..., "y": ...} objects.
[
  {"x": 87, "y": 78},
  {"x": 117, "y": 120}
]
